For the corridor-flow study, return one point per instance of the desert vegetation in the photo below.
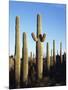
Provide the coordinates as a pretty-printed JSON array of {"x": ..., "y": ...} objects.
[{"x": 36, "y": 70}]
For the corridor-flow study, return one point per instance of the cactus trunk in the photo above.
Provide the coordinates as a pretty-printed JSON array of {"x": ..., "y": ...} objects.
[
  {"x": 25, "y": 58},
  {"x": 39, "y": 50},
  {"x": 48, "y": 57},
  {"x": 51, "y": 61},
  {"x": 39, "y": 59},
  {"x": 17, "y": 53},
  {"x": 54, "y": 56}
]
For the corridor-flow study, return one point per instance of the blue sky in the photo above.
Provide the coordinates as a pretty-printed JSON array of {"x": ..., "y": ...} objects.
[{"x": 53, "y": 23}]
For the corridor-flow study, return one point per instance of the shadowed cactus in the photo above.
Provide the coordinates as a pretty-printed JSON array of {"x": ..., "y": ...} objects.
[
  {"x": 17, "y": 53},
  {"x": 42, "y": 37},
  {"x": 61, "y": 52},
  {"x": 51, "y": 61},
  {"x": 31, "y": 56},
  {"x": 25, "y": 58},
  {"x": 54, "y": 56},
  {"x": 48, "y": 57},
  {"x": 39, "y": 39}
]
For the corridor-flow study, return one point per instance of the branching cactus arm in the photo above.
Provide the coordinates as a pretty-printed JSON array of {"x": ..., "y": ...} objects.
[
  {"x": 42, "y": 37},
  {"x": 34, "y": 37}
]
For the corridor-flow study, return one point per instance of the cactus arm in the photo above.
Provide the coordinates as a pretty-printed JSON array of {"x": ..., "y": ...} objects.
[
  {"x": 34, "y": 37},
  {"x": 42, "y": 37}
]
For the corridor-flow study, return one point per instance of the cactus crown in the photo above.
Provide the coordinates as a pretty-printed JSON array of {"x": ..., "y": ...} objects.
[
  {"x": 39, "y": 35},
  {"x": 60, "y": 45},
  {"x": 17, "y": 19},
  {"x": 54, "y": 44}
]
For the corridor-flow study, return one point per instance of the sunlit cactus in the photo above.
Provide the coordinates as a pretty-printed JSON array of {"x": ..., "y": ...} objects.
[
  {"x": 25, "y": 58},
  {"x": 54, "y": 56},
  {"x": 61, "y": 52},
  {"x": 48, "y": 57},
  {"x": 39, "y": 39},
  {"x": 17, "y": 52}
]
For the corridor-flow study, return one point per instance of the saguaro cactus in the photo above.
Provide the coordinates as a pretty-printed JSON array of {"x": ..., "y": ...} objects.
[
  {"x": 61, "y": 52},
  {"x": 25, "y": 58},
  {"x": 51, "y": 61},
  {"x": 31, "y": 56},
  {"x": 54, "y": 56},
  {"x": 48, "y": 57},
  {"x": 17, "y": 53},
  {"x": 39, "y": 39}
]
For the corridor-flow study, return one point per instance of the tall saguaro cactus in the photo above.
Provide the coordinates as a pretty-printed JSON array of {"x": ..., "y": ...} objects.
[
  {"x": 25, "y": 58},
  {"x": 48, "y": 57},
  {"x": 39, "y": 39},
  {"x": 54, "y": 56},
  {"x": 17, "y": 52},
  {"x": 61, "y": 52}
]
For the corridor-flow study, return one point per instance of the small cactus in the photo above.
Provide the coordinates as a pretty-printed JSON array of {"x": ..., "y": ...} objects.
[
  {"x": 61, "y": 52},
  {"x": 39, "y": 39},
  {"x": 31, "y": 56},
  {"x": 51, "y": 61},
  {"x": 17, "y": 53}
]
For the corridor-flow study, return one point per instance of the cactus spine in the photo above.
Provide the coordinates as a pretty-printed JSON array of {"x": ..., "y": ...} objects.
[
  {"x": 25, "y": 58},
  {"x": 61, "y": 52},
  {"x": 17, "y": 53},
  {"x": 48, "y": 57},
  {"x": 39, "y": 47},
  {"x": 54, "y": 56}
]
